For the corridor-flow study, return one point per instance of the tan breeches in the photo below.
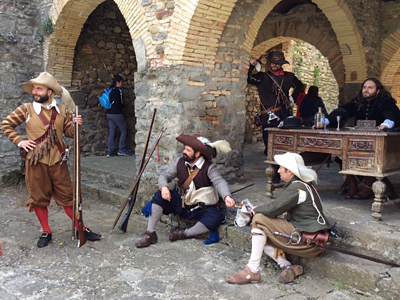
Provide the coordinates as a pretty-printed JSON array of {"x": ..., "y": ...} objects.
[
  {"x": 269, "y": 225},
  {"x": 44, "y": 182}
]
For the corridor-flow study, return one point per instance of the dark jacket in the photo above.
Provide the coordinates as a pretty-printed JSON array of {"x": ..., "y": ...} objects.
[
  {"x": 309, "y": 107},
  {"x": 266, "y": 92},
  {"x": 118, "y": 105},
  {"x": 303, "y": 216},
  {"x": 378, "y": 109}
]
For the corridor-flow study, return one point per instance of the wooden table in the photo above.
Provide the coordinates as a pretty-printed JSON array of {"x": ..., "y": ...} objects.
[{"x": 365, "y": 153}]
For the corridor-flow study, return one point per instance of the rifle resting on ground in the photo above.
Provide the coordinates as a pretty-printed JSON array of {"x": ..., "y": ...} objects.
[
  {"x": 296, "y": 237},
  {"x": 133, "y": 192},
  {"x": 138, "y": 179},
  {"x": 77, "y": 195}
]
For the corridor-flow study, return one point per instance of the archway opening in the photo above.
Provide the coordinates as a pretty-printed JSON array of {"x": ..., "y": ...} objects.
[
  {"x": 104, "y": 49},
  {"x": 309, "y": 65}
]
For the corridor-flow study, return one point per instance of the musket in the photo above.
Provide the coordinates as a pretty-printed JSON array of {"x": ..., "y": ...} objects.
[
  {"x": 77, "y": 195},
  {"x": 133, "y": 192},
  {"x": 241, "y": 189},
  {"x": 138, "y": 179},
  {"x": 326, "y": 246}
]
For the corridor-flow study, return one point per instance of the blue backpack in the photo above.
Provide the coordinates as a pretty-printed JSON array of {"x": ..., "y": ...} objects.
[{"x": 105, "y": 99}]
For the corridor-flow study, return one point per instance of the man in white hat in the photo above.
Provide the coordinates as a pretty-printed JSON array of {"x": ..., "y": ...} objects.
[
  {"x": 199, "y": 181},
  {"x": 45, "y": 174},
  {"x": 300, "y": 200}
]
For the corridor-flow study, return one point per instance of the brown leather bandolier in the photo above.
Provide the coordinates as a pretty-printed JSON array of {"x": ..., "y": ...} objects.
[
  {"x": 184, "y": 187},
  {"x": 49, "y": 138}
]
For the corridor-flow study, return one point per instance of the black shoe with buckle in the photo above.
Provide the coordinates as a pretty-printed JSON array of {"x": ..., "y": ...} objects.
[
  {"x": 90, "y": 235},
  {"x": 44, "y": 240}
]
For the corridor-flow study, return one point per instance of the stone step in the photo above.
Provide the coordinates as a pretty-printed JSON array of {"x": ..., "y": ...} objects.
[
  {"x": 366, "y": 276},
  {"x": 95, "y": 192},
  {"x": 118, "y": 171}
]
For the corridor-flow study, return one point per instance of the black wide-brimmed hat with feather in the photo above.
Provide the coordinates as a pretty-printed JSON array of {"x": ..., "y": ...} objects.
[{"x": 204, "y": 145}]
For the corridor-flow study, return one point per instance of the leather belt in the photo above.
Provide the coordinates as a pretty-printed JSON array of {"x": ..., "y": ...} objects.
[{"x": 270, "y": 110}]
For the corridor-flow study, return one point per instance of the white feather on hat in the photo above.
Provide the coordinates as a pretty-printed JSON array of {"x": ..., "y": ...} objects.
[{"x": 221, "y": 146}]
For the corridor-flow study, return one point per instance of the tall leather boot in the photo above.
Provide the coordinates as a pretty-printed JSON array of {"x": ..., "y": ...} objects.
[
  {"x": 366, "y": 191},
  {"x": 352, "y": 186}
]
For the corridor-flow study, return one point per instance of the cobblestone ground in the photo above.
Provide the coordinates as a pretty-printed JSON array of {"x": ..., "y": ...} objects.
[{"x": 114, "y": 269}]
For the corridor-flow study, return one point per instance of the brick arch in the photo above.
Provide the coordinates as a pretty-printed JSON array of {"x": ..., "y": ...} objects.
[
  {"x": 344, "y": 26},
  {"x": 391, "y": 62},
  {"x": 68, "y": 17},
  {"x": 195, "y": 31},
  {"x": 272, "y": 34}
]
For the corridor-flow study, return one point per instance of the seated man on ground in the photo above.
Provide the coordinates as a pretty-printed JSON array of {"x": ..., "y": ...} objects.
[
  {"x": 301, "y": 201},
  {"x": 199, "y": 181}
]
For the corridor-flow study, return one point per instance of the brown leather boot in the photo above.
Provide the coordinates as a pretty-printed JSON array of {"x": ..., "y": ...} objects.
[
  {"x": 148, "y": 239},
  {"x": 366, "y": 191},
  {"x": 289, "y": 273},
  {"x": 352, "y": 186},
  {"x": 244, "y": 276},
  {"x": 177, "y": 235}
]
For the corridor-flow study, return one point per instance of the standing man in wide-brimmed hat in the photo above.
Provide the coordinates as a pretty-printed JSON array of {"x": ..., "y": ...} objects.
[
  {"x": 46, "y": 175},
  {"x": 300, "y": 200},
  {"x": 273, "y": 88},
  {"x": 196, "y": 198}
]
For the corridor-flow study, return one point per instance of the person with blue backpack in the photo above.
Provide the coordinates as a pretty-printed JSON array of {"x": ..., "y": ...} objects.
[{"x": 115, "y": 116}]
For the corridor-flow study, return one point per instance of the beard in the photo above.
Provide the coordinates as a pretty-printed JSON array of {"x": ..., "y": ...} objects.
[
  {"x": 42, "y": 99},
  {"x": 368, "y": 96},
  {"x": 189, "y": 159}
]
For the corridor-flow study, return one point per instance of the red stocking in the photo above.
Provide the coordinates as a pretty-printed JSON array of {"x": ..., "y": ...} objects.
[
  {"x": 43, "y": 216},
  {"x": 68, "y": 211}
]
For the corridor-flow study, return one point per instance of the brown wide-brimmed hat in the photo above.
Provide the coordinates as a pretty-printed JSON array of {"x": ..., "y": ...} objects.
[
  {"x": 192, "y": 141},
  {"x": 277, "y": 57},
  {"x": 47, "y": 80},
  {"x": 204, "y": 146}
]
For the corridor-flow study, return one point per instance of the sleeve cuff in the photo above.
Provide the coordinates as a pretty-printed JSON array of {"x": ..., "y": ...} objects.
[{"x": 388, "y": 123}]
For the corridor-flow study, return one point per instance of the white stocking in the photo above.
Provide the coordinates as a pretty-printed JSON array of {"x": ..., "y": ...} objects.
[
  {"x": 258, "y": 240},
  {"x": 282, "y": 262}
]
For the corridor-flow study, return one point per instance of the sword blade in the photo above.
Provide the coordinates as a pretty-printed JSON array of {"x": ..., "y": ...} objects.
[{"x": 367, "y": 257}]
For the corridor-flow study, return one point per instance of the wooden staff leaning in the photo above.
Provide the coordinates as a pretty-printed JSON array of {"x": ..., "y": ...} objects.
[
  {"x": 77, "y": 197},
  {"x": 133, "y": 193},
  {"x": 138, "y": 179}
]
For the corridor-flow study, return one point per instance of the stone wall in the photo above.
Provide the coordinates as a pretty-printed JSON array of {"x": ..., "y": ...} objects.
[
  {"x": 104, "y": 48},
  {"x": 368, "y": 17},
  {"x": 21, "y": 57},
  {"x": 313, "y": 69}
]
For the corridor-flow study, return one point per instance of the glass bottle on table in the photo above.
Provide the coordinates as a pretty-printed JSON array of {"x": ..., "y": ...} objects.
[{"x": 319, "y": 119}]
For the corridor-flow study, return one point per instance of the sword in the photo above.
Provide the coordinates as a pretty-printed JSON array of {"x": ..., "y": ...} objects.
[{"x": 340, "y": 250}]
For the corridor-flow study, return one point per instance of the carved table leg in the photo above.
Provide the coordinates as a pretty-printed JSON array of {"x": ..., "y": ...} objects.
[
  {"x": 270, "y": 171},
  {"x": 379, "y": 188}
]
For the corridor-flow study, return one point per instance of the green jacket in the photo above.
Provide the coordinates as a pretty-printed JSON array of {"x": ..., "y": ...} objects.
[{"x": 302, "y": 215}]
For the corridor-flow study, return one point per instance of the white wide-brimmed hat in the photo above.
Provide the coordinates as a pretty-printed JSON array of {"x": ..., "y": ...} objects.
[
  {"x": 47, "y": 80},
  {"x": 295, "y": 164}
]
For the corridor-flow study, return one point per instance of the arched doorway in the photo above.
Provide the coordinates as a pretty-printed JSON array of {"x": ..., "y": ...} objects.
[{"x": 104, "y": 49}]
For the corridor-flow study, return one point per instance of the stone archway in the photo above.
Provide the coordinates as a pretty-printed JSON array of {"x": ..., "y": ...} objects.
[
  {"x": 68, "y": 17},
  {"x": 306, "y": 23},
  {"x": 104, "y": 49},
  {"x": 203, "y": 51},
  {"x": 391, "y": 64},
  {"x": 344, "y": 26}
]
